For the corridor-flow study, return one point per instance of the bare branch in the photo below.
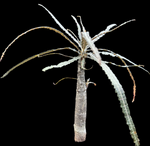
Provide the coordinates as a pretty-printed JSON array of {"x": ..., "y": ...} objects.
[
  {"x": 73, "y": 34},
  {"x": 30, "y": 58},
  {"x": 134, "y": 85},
  {"x": 64, "y": 79},
  {"x": 122, "y": 65},
  {"x": 61, "y": 26},
  {"x": 121, "y": 58},
  {"x": 102, "y": 33},
  {"x": 57, "y": 54},
  {"x": 113, "y": 54},
  {"x": 121, "y": 25},
  {"x": 88, "y": 82},
  {"x": 40, "y": 27}
]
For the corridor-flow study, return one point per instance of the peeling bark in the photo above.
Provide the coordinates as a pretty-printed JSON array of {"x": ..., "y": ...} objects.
[{"x": 80, "y": 106}]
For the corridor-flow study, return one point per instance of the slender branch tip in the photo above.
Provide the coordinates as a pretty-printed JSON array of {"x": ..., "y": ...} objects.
[
  {"x": 133, "y": 99},
  {"x": 40, "y": 4}
]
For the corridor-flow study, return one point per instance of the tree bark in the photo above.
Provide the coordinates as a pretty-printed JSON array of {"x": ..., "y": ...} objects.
[{"x": 80, "y": 106}]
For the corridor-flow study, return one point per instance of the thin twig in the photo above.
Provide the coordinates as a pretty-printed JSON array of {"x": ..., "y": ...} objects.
[
  {"x": 64, "y": 79},
  {"x": 40, "y": 27}
]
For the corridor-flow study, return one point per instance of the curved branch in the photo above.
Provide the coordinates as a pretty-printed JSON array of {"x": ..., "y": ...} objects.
[
  {"x": 57, "y": 54},
  {"x": 122, "y": 65},
  {"x": 30, "y": 58},
  {"x": 64, "y": 79},
  {"x": 134, "y": 85},
  {"x": 61, "y": 26},
  {"x": 113, "y": 54},
  {"x": 108, "y": 29},
  {"x": 40, "y": 27}
]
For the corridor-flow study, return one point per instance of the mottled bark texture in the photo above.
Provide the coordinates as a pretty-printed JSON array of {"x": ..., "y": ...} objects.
[{"x": 80, "y": 106}]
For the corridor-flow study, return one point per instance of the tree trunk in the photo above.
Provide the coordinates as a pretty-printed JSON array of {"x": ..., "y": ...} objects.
[{"x": 80, "y": 106}]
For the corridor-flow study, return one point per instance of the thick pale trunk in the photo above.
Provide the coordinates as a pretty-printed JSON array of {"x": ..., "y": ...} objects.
[{"x": 80, "y": 106}]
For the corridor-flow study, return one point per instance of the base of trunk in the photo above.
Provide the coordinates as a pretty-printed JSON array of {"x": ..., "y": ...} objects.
[
  {"x": 80, "y": 137},
  {"x": 80, "y": 133}
]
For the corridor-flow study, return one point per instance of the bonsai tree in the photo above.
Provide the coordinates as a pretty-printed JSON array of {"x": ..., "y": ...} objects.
[{"x": 85, "y": 48}]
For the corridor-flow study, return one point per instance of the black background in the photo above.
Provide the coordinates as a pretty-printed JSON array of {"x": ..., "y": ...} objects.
[{"x": 34, "y": 110}]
